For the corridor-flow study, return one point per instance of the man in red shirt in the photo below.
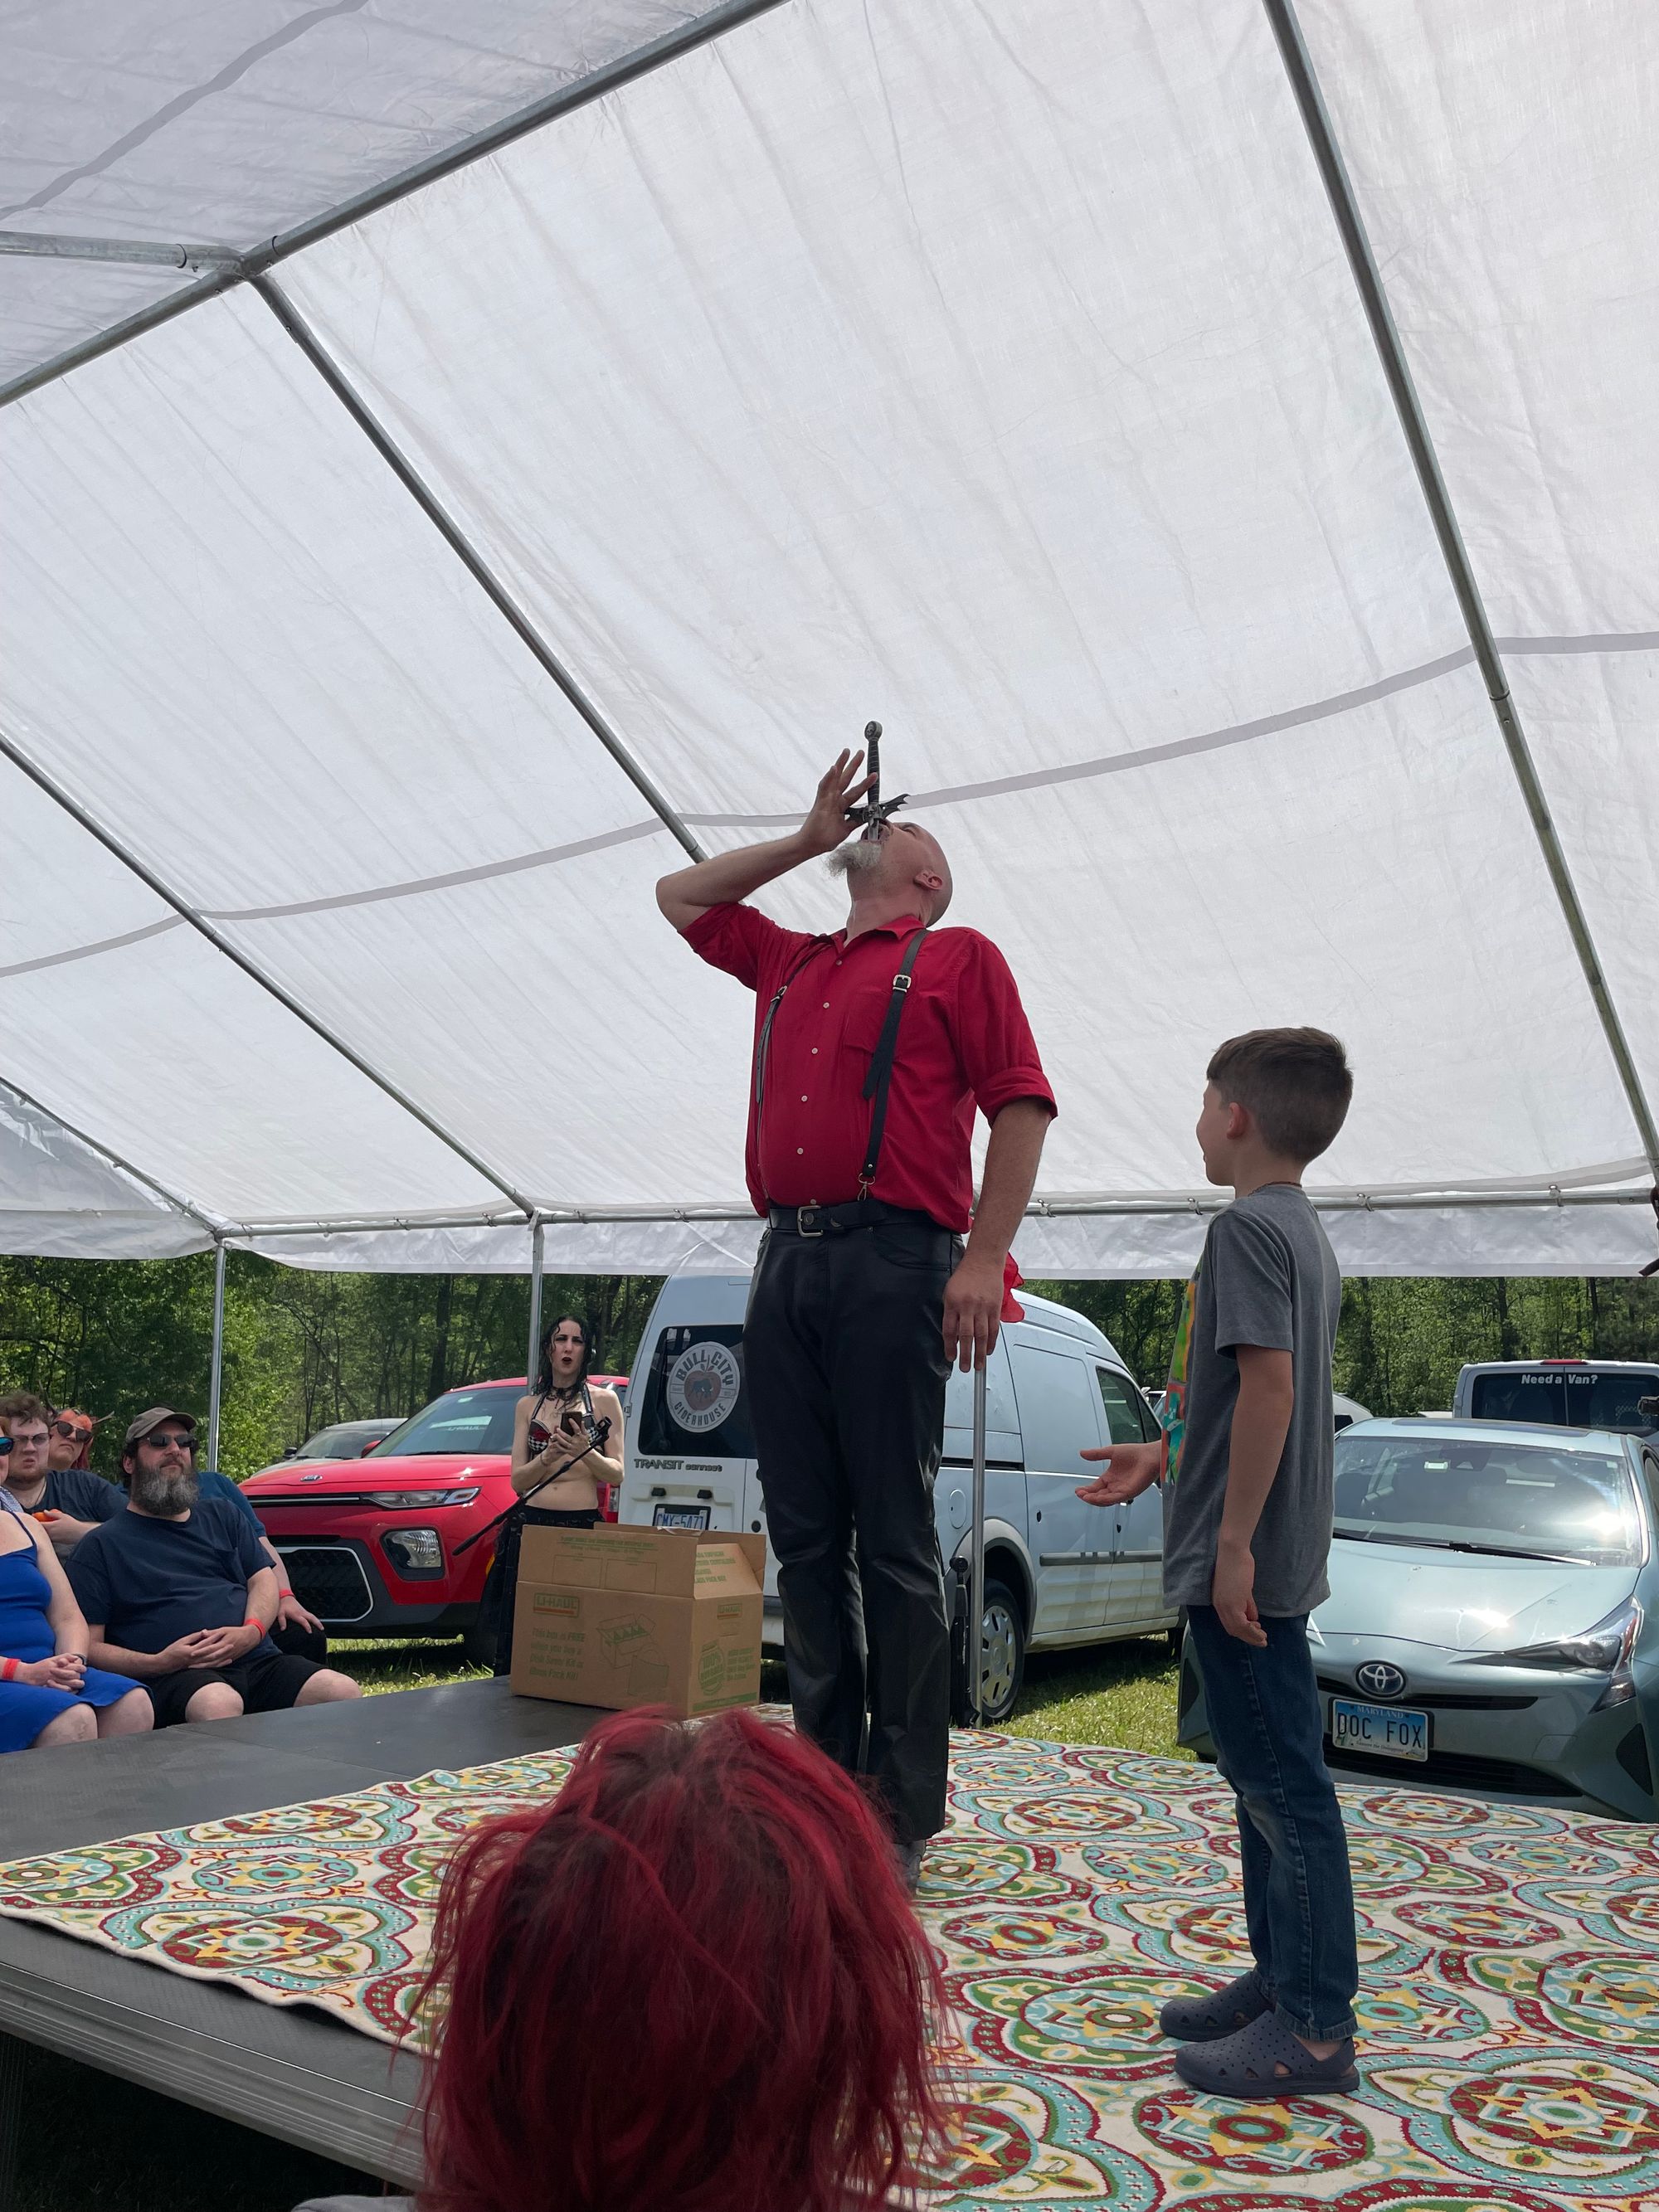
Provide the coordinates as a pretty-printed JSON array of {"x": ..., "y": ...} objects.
[{"x": 864, "y": 1292}]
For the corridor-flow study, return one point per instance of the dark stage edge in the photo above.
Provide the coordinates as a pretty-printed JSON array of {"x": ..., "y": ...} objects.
[{"x": 284, "y": 2070}]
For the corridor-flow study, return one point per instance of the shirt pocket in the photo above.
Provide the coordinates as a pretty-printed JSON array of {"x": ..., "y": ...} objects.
[{"x": 861, "y": 1030}]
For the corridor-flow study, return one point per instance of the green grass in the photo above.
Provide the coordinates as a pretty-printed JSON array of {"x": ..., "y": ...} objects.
[
  {"x": 1119, "y": 1694},
  {"x": 95, "y": 2144}
]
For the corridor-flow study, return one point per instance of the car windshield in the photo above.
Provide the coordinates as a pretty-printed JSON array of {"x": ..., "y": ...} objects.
[
  {"x": 1500, "y": 1496},
  {"x": 460, "y": 1421},
  {"x": 344, "y": 1441}
]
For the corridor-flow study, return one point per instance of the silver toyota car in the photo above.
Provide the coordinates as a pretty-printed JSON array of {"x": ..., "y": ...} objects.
[{"x": 1491, "y": 1626}]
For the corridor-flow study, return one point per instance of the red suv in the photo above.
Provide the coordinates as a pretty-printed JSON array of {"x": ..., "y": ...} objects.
[{"x": 370, "y": 1544}]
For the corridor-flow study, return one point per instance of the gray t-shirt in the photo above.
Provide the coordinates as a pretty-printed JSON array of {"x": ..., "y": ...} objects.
[{"x": 1268, "y": 1277}]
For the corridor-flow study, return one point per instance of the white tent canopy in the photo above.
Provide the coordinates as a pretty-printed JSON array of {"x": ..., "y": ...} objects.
[{"x": 540, "y": 438}]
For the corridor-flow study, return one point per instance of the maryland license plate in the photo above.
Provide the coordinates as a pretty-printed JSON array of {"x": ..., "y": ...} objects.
[
  {"x": 680, "y": 1517},
  {"x": 1393, "y": 1731}
]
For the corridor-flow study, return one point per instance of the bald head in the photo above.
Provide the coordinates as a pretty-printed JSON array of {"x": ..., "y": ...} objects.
[{"x": 904, "y": 870}]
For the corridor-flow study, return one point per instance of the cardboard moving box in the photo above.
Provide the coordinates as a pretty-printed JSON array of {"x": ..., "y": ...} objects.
[{"x": 612, "y": 1616}]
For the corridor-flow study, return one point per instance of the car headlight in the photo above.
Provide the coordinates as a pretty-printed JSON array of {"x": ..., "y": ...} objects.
[
  {"x": 1603, "y": 1649},
  {"x": 416, "y": 1549},
  {"x": 393, "y": 1500}
]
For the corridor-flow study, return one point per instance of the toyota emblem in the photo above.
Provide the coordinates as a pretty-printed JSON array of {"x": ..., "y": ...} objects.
[{"x": 1380, "y": 1680}]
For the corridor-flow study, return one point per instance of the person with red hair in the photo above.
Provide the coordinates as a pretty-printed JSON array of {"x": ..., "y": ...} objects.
[
  {"x": 71, "y": 1445},
  {"x": 693, "y": 1983}
]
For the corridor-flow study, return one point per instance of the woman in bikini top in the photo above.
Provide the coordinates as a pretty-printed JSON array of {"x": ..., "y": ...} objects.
[{"x": 553, "y": 1427}]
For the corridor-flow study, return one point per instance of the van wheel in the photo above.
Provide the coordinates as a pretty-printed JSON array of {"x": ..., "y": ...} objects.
[{"x": 1002, "y": 1652}]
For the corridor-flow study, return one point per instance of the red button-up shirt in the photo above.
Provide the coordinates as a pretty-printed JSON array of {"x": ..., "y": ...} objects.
[{"x": 964, "y": 1042}]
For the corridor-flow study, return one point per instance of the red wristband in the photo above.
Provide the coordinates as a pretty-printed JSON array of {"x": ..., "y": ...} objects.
[
  {"x": 8, "y": 1669},
  {"x": 254, "y": 1621}
]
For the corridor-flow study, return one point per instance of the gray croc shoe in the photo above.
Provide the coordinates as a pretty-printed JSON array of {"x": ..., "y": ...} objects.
[
  {"x": 1263, "y": 2062},
  {"x": 1217, "y": 2013}
]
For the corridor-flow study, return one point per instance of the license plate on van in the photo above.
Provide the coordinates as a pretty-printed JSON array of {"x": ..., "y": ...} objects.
[
  {"x": 680, "y": 1517},
  {"x": 1394, "y": 1731}
]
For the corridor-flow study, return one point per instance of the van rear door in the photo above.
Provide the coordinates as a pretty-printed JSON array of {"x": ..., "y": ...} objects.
[{"x": 691, "y": 1449}]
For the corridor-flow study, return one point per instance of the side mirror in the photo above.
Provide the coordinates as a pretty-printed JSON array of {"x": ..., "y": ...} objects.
[
  {"x": 370, "y": 1446},
  {"x": 292, "y": 1452}
]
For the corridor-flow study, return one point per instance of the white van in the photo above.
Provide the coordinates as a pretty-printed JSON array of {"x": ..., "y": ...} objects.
[{"x": 1057, "y": 1572}]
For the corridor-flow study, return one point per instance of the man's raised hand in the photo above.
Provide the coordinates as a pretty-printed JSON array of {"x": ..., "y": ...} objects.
[
  {"x": 840, "y": 787},
  {"x": 1129, "y": 1469}
]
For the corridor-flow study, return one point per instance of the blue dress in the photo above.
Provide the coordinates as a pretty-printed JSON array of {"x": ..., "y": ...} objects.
[{"x": 25, "y": 1632}]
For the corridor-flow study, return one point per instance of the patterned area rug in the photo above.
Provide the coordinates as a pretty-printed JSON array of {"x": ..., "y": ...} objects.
[{"x": 1511, "y": 2012}]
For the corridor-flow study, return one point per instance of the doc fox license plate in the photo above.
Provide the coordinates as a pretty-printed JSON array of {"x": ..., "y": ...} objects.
[
  {"x": 1394, "y": 1731},
  {"x": 680, "y": 1517}
]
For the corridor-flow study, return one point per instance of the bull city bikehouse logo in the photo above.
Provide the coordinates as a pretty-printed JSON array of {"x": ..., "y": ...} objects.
[
  {"x": 1377, "y": 1679},
  {"x": 703, "y": 1388}
]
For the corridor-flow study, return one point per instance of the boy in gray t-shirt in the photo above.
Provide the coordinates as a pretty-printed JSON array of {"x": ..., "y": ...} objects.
[{"x": 1246, "y": 1461}]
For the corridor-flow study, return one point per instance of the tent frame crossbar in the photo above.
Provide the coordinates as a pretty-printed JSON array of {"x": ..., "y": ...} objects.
[
  {"x": 145, "y": 252},
  {"x": 293, "y": 323},
  {"x": 1040, "y": 1209},
  {"x": 43, "y": 780},
  {"x": 1402, "y": 390},
  {"x": 611, "y": 77},
  {"x": 171, "y": 1199}
]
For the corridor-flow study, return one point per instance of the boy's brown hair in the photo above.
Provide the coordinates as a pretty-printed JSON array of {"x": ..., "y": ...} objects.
[
  {"x": 1296, "y": 1082},
  {"x": 23, "y": 1405}
]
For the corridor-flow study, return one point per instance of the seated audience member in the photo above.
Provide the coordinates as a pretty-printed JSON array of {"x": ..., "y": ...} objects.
[
  {"x": 178, "y": 1593},
  {"x": 71, "y": 1445},
  {"x": 294, "y": 1630},
  {"x": 692, "y": 1982},
  {"x": 48, "y": 1694},
  {"x": 68, "y": 1501}
]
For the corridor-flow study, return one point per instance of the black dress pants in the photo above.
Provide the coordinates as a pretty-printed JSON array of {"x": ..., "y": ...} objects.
[{"x": 845, "y": 1366}]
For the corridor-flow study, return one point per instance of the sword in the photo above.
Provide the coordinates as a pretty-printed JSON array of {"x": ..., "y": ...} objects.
[{"x": 875, "y": 810}]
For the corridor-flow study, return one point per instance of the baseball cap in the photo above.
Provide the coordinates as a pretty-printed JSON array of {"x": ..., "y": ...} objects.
[{"x": 152, "y": 1419}]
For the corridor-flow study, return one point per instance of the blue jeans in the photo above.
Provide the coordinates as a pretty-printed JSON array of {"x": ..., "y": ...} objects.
[{"x": 1298, "y": 1894}]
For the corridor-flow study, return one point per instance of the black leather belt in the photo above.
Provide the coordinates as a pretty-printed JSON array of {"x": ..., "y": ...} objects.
[{"x": 856, "y": 1213}]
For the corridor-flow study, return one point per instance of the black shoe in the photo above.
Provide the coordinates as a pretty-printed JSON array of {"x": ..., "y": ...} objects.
[{"x": 1218, "y": 2013}]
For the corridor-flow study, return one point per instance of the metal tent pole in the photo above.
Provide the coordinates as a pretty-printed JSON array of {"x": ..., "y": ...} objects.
[
  {"x": 217, "y": 1371},
  {"x": 1345, "y": 206},
  {"x": 976, "y": 1569},
  {"x": 289, "y": 316},
  {"x": 147, "y": 1181},
  {"x": 537, "y": 1238},
  {"x": 43, "y": 246},
  {"x": 611, "y": 77},
  {"x": 147, "y": 876}
]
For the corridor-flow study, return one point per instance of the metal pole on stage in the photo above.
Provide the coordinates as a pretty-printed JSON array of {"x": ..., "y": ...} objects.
[
  {"x": 532, "y": 1358},
  {"x": 217, "y": 1372},
  {"x": 976, "y": 1573}
]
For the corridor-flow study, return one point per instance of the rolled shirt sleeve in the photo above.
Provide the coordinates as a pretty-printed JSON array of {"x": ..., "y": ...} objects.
[{"x": 999, "y": 1053}]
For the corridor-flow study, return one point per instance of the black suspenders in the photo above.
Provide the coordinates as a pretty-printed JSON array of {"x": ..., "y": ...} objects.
[{"x": 879, "y": 1081}]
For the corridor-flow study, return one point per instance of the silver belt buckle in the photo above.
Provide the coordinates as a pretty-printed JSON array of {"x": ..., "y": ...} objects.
[{"x": 809, "y": 1220}]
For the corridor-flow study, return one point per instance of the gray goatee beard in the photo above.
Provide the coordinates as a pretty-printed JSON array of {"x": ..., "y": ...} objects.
[
  {"x": 862, "y": 857},
  {"x": 166, "y": 1495}
]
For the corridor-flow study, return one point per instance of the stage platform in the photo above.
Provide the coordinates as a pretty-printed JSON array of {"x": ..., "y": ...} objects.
[{"x": 1509, "y": 2012}]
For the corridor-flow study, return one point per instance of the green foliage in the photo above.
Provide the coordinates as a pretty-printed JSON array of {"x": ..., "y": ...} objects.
[
  {"x": 301, "y": 1348},
  {"x": 1403, "y": 1339}
]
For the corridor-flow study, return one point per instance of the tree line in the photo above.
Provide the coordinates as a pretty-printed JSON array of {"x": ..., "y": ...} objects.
[{"x": 306, "y": 1348}]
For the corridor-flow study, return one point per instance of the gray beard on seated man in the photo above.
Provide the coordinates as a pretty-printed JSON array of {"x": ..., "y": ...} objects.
[{"x": 165, "y": 1492}]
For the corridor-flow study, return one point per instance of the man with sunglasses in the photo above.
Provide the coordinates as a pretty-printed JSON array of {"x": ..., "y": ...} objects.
[
  {"x": 179, "y": 1584},
  {"x": 69, "y": 1502}
]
